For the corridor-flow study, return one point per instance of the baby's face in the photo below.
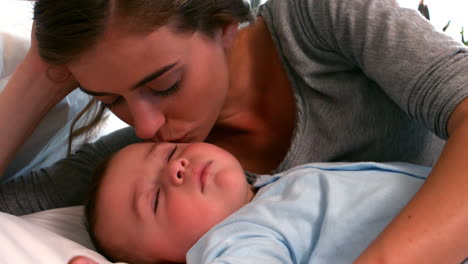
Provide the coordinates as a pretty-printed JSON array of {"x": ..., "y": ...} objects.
[{"x": 157, "y": 200}]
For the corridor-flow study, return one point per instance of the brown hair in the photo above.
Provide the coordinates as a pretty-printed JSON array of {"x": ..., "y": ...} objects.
[
  {"x": 87, "y": 123},
  {"x": 67, "y": 28},
  {"x": 90, "y": 205},
  {"x": 91, "y": 212}
]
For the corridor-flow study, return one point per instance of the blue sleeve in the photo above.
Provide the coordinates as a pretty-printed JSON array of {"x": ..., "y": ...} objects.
[{"x": 242, "y": 243}]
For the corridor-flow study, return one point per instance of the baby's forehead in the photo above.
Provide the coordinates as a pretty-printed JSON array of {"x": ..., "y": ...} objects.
[
  {"x": 140, "y": 146},
  {"x": 133, "y": 159},
  {"x": 136, "y": 150}
]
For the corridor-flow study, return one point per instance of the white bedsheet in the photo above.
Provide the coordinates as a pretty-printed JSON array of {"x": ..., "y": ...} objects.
[{"x": 52, "y": 237}]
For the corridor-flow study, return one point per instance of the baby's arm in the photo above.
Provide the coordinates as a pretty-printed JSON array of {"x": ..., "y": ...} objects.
[{"x": 245, "y": 243}]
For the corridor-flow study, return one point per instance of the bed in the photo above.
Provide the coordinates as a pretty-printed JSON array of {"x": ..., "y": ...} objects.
[{"x": 52, "y": 236}]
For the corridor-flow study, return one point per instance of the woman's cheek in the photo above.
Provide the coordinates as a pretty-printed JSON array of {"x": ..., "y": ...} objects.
[{"x": 121, "y": 111}]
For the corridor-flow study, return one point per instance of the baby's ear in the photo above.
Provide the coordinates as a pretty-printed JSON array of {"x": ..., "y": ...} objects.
[{"x": 229, "y": 34}]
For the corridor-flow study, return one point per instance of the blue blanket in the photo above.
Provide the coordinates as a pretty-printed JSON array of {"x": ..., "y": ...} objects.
[{"x": 316, "y": 213}]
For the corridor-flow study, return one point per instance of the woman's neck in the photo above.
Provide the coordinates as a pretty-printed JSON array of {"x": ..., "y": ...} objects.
[
  {"x": 252, "y": 70},
  {"x": 257, "y": 121}
]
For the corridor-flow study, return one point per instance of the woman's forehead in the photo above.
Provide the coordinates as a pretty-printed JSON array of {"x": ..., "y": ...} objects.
[
  {"x": 115, "y": 46},
  {"x": 122, "y": 62}
]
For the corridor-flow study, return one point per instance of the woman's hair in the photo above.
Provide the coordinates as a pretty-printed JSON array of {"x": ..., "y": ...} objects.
[
  {"x": 86, "y": 123},
  {"x": 65, "y": 29}
]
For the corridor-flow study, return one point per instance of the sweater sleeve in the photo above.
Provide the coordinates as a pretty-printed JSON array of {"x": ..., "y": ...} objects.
[
  {"x": 63, "y": 184},
  {"x": 424, "y": 71}
]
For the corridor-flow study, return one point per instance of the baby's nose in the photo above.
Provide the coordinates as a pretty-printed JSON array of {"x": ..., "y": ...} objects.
[{"x": 177, "y": 170}]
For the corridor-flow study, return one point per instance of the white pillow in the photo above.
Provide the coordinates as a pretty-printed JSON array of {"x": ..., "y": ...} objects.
[
  {"x": 52, "y": 237},
  {"x": 67, "y": 222}
]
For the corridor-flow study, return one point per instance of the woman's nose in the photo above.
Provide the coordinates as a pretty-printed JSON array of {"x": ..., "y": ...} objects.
[
  {"x": 177, "y": 169},
  {"x": 146, "y": 119}
]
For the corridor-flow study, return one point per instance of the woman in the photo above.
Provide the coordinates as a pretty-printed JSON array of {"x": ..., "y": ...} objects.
[{"x": 310, "y": 80}]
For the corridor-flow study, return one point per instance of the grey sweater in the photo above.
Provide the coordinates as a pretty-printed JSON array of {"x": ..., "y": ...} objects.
[{"x": 372, "y": 82}]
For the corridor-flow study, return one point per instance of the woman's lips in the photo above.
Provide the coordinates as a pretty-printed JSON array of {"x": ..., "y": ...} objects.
[{"x": 179, "y": 140}]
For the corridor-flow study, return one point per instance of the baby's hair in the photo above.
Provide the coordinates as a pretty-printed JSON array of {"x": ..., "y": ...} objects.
[
  {"x": 90, "y": 213},
  {"x": 90, "y": 205}
]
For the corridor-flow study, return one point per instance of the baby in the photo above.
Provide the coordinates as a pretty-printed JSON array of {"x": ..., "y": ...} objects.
[{"x": 176, "y": 203}]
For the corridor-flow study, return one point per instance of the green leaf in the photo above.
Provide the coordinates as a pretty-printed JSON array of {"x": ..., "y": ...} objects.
[{"x": 462, "y": 33}]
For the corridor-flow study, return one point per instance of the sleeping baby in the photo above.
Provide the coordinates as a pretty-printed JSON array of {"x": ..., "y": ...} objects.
[{"x": 176, "y": 203}]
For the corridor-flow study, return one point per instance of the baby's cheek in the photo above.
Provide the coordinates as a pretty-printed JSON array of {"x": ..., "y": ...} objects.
[
  {"x": 185, "y": 231},
  {"x": 193, "y": 218}
]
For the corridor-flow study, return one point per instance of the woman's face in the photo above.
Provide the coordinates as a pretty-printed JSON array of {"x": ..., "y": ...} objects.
[
  {"x": 168, "y": 86},
  {"x": 157, "y": 199}
]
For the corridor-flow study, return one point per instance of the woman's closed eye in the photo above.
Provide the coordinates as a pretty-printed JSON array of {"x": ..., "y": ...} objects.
[
  {"x": 161, "y": 93},
  {"x": 164, "y": 93}
]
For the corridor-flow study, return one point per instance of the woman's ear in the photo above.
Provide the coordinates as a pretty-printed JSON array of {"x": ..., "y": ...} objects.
[{"x": 229, "y": 34}]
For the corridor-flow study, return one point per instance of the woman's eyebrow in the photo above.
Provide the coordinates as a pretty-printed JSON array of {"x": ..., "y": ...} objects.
[
  {"x": 150, "y": 77},
  {"x": 86, "y": 91}
]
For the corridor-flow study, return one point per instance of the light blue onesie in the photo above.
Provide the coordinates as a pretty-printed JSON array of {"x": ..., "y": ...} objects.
[{"x": 317, "y": 213}]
